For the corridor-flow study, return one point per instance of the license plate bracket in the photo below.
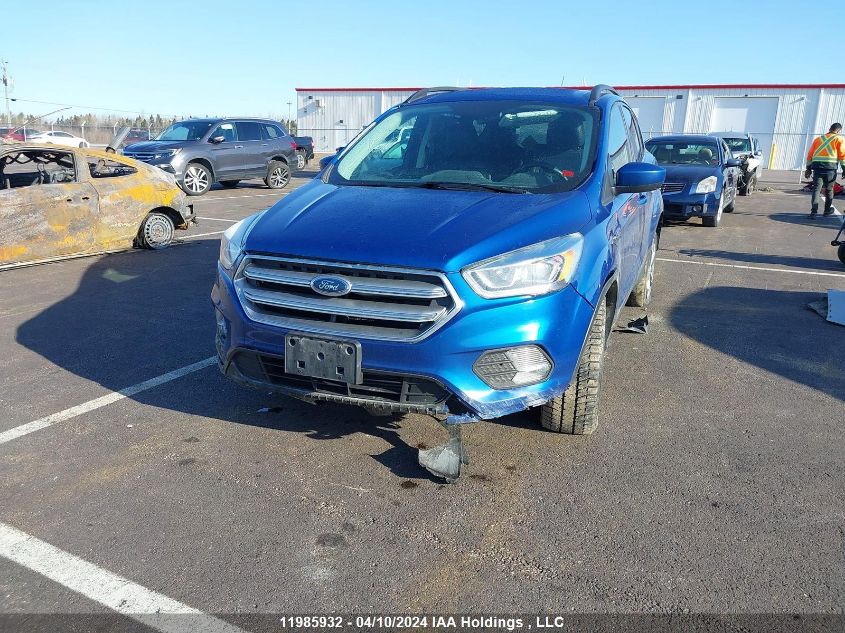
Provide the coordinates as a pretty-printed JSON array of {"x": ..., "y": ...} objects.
[{"x": 323, "y": 358}]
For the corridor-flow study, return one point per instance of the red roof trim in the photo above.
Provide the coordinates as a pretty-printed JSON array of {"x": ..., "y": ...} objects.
[{"x": 643, "y": 87}]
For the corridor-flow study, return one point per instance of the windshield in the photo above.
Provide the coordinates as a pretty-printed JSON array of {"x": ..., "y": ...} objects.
[
  {"x": 676, "y": 153},
  {"x": 185, "y": 131},
  {"x": 498, "y": 145},
  {"x": 738, "y": 145}
]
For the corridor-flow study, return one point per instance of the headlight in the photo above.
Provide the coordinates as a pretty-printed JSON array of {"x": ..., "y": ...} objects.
[
  {"x": 167, "y": 153},
  {"x": 708, "y": 185},
  {"x": 534, "y": 270},
  {"x": 232, "y": 242}
]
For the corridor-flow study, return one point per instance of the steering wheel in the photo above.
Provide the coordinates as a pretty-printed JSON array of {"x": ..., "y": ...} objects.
[{"x": 544, "y": 166}]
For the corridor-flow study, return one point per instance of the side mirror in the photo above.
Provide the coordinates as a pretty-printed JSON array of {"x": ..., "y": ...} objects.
[
  {"x": 733, "y": 162},
  {"x": 758, "y": 153},
  {"x": 338, "y": 150},
  {"x": 217, "y": 139},
  {"x": 639, "y": 178}
]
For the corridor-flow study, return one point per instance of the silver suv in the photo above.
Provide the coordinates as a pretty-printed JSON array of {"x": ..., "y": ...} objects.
[{"x": 200, "y": 152}]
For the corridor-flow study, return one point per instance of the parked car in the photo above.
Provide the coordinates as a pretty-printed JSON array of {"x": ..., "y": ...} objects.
[
  {"x": 57, "y": 137},
  {"x": 136, "y": 135},
  {"x": 69, "y": 201},
  {"x": 17, "y": 134},
  {"x": 745, "y": 148},
  {"x": 304, "y": 150},
  {"x": 476, "y": 274},
  {"x": 701, "y": 176},
  {"x": 199, "y": 152}
]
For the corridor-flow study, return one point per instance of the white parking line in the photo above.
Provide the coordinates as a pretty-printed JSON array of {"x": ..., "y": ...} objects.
[
  {"x": 115, "y": 592},
  {"x": 114, "y": 396},
  {"x": 764, "y": 269},
  {"x": 257, "y": 195},
  {"x": 217, "y": 219},
  {"x": 190, "y": 237}
]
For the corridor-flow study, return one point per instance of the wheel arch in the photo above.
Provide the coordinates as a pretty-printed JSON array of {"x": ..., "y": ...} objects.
[
  {"x": 205, "y": 163},
  {"x": 281, "y": 158},
  {"x": 170, "y": 212}
]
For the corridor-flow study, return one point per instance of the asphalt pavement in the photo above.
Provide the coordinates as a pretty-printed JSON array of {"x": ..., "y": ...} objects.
[{"x": 713, "y": 485}]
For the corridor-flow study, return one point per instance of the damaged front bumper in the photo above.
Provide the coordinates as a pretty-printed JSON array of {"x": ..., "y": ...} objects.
[{"x": 433, "y": 376}]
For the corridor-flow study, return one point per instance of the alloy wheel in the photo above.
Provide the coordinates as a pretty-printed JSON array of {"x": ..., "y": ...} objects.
[
  {"x": 196, "y": 179},
  {"x": 279, "y": 177}
]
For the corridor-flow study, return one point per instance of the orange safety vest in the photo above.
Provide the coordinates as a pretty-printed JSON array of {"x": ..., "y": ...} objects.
[{"x": 828, "y": 148}]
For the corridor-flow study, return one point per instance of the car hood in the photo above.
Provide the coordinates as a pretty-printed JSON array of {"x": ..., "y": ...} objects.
[
  {"x": 421, "y": 228},
  {"x": 689, "y": 173},
  {"x": 153, "y": 146}
]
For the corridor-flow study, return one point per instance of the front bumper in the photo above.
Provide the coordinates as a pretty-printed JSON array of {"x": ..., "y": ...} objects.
[
  {"x": 557, "y": 322},
  {"x": 690, "y": 205}
]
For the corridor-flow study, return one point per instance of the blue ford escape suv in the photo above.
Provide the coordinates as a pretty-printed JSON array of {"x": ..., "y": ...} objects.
[{"x": 465, "y": 256}]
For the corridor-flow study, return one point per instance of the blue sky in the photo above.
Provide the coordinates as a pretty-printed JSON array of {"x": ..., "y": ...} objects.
[{"x": 214, "y": 57}]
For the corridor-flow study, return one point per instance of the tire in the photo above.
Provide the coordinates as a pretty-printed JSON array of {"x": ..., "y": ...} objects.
[
  {"x": 196, "y": 180},
  {"x": 730, "y": 208},
  {"x": 640, "y": 296},
  {"x": 229, "y": 184},
  {"x": 81, "y": 145},
  {"x": 748, "y": 189},
  {"x": 841, "y": 253},
  {"x": 300, "y": 160},
  {"x": 156, "y": 232},
  {"x": 713, "y": 221},
  {"x": 278, "y": 175},
  {"x": 575, "y": 412}
]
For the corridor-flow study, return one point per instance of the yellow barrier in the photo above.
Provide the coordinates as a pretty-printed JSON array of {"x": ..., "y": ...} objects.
[{"x": 772, "y": 154}]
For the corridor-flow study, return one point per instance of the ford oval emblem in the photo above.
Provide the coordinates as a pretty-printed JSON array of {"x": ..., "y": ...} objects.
[{"x": 330, "y": 286}]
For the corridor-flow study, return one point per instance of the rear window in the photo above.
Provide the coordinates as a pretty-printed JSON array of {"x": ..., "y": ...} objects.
[{"x": 249, "y": 131}]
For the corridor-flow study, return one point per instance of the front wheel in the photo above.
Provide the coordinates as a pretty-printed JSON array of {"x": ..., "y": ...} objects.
[
  {"x": 156, "y": 232},
  {"x": 197, "y": 179},
  {"x": 278, "y": 175},
  {"x": 640, "y": 296},
  {"x": 748, "y": 189},
  {"x": 841, "y": 253},
  {"x": 300, "y": 160},
  {"x": 576, "y": 411}
]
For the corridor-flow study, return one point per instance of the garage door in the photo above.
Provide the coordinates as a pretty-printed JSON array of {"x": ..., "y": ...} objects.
[
  {"x": 649, "y": 111},
  {"x": 747, "y": 114}
]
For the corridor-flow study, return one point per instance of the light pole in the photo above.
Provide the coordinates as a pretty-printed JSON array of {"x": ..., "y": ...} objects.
[
  {"x": 6, "y": 91},
  {"x": 289, "y": 105}
]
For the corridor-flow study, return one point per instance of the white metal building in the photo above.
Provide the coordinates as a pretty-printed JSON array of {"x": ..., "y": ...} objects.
[{"x": 785, "y": 117}]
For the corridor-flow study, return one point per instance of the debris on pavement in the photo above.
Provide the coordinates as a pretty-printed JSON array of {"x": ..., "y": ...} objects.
[{"x": 636, "y": 326}]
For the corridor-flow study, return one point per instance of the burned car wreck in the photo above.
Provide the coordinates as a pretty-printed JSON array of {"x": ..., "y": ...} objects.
[{"x": 58, "y": 202}]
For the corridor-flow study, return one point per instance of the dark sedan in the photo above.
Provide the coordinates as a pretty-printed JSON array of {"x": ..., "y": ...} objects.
[{"x": 701, "y": 176}]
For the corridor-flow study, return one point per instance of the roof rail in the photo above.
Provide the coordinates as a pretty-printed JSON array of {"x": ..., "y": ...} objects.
[
  {"x": 598, "y": 91},
  {"x": 425, "y": 92}
]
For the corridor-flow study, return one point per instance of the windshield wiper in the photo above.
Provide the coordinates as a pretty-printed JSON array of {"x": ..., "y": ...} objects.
[{"x": 470, "y": 186}]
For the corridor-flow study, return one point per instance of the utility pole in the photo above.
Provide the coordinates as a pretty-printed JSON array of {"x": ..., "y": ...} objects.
[
  {"x": 289, "y": 119},
  {"x": 6, "y": 82}
]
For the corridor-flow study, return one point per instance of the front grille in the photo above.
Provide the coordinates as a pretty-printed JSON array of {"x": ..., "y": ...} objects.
[
  {"x": 672, "y": 187},
  {"x": 376, "y": 386},
  {"x": 144, "y": 157},
  {"x": 383, "y": 303}
]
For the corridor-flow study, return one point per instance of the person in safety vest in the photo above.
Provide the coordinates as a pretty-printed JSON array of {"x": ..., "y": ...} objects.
[{"x": 826, "y": 155}]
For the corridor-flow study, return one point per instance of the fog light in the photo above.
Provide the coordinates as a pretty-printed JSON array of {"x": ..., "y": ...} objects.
[
  {"x": 515, "y": 367},
  {"x": 697, "y": 208}
]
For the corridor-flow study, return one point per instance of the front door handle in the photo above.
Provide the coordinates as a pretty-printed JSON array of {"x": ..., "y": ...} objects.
[{"x": 86, "y": 198}]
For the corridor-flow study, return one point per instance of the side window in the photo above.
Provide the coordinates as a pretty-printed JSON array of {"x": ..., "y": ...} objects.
[
  {"x": 249, "y": 131},
  {"x": 617, "y": 141},
  {"x": 635, "y": 141},
  {"x": 227, "y": 131},
  {"x": 36, "y": 167},
  {"x": 105, "y": 168},
  {"x": 271, "y": 131}
]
